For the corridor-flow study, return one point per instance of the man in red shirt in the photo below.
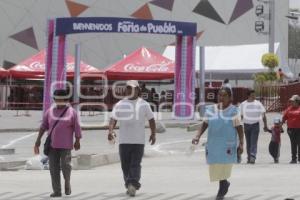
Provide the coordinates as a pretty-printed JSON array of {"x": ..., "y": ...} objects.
[{"x": 292, "y": 116}]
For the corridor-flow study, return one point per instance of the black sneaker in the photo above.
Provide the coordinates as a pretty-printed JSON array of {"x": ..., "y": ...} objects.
[
  {"x": 252, "y": 160},
  {"x": 219, "y": 198},
  {"x": 131, "y": 190},
  {"x": 226, "y": 187},
  {"x": 293, "y": 162},
  {"x": 68, "y": 190},
  {"x": 55, "y": 194},
  {"x": 276, "y": 161},
  {"x": 223, "y": 190}
]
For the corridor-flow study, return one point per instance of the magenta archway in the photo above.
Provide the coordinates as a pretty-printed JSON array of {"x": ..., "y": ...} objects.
[{"x": 59, "y": 28}]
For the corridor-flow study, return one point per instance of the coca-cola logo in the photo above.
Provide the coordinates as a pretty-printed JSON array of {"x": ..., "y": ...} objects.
[
  {"x": 151, "y": 68},
  {"x": 70, "y": 66},
  {"x": 37, "y": 65}
]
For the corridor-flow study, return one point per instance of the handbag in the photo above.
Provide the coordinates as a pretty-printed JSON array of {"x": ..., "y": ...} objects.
[{"x": 47, "y": 144}]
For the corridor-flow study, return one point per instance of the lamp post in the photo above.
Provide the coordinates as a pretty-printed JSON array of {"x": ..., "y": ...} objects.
[
  {"x": 260, "y": 27},
  {"x": 271, "y": 26},
  {"x": 294, "y": 17}
]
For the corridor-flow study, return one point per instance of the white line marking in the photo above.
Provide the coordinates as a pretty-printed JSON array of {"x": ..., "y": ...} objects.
[
  {"x": 158, "y": 147},
  {"x": 12, "y": 142}
]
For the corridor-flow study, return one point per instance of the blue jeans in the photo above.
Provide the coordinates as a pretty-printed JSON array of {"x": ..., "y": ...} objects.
[
  {"x": 251, "y": 134},
  {"x": 131, "y": 158}
]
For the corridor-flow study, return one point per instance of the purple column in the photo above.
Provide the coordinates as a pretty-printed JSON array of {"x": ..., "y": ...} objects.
[
  {"x": 55, "y": 69},
  {"x": 48, "y": 68},
  {"x": 61, "y": 63},
  {"x": 190, "y": 76},
  {"x": 184, "y": 77},
  {"x": 178, "y": 63}
]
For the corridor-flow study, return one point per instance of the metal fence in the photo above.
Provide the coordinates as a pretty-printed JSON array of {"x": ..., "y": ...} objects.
[{"x": 274, "y": 96}]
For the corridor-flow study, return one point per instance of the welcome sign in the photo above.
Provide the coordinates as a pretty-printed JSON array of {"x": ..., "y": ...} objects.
[
  {"x": 185, "y": 33},
  {"x": 122, "y": 25}
]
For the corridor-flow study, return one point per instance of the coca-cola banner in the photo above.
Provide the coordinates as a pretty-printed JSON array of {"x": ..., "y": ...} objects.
[
  {"x": 142, "y": 64},
  {"x": 35, "y": 66},
  {"x": 122, "y": 25}
]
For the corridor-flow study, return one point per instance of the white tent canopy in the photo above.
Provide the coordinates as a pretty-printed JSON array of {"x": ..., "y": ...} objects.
[{"x": 230, "y": 59}]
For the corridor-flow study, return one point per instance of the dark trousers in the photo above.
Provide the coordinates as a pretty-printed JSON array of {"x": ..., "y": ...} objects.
[
  {"x": 131, "y": 158},
  {"x": 274, "y": 149},
  {"x": 60, "y": 159},
  {"x": 294, "y": 134},
  {"x": 251, "y": 135}
]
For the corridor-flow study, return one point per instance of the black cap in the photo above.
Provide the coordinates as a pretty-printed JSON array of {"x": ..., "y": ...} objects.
[{"x": 61, "y": 94}]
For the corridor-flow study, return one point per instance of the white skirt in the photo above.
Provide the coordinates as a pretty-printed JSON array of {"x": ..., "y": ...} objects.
[{"x": 218, "y": 172}]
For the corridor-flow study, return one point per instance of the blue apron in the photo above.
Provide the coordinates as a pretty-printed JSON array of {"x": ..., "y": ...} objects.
[{"x": 221, "y": 147}]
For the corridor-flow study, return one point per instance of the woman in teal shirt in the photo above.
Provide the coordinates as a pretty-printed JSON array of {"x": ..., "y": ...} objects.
[{"x": 224, "y": 125}]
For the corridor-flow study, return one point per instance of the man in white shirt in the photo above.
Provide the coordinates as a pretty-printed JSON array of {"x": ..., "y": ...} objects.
[
  {"x": 251, "y": 112},
  {"x": 132, "y": 112}
]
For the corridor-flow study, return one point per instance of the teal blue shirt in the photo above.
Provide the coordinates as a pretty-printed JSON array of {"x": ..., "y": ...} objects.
[{"x": 221, "y": 147}]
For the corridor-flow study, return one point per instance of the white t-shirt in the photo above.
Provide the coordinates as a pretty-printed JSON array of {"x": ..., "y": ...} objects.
[
  {"x": 252, "y": 111},
  {"x": 131, "y": 115}
]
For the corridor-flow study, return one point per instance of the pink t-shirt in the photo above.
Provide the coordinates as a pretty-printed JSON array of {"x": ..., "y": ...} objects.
[{"x": 63, "y": 134}]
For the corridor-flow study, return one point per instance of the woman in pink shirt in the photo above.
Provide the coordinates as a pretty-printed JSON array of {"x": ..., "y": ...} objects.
[{"x": 62, "y": 122}]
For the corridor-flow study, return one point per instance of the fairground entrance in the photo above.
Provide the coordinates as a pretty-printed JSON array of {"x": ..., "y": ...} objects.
[{"x": 60, "y": 28}]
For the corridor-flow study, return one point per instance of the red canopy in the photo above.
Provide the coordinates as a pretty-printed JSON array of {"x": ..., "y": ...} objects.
[
  {"x": 34, "y": 67},
  {"x": 3, "y": 72},
  {"x": 143, "y": 64}
]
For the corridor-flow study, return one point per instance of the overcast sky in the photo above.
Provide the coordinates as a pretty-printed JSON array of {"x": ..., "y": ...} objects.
[{"x": 295, "y": 4}]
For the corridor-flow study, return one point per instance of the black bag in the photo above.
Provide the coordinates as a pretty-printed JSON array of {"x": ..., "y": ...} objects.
[{"x": 47, "y": 144}]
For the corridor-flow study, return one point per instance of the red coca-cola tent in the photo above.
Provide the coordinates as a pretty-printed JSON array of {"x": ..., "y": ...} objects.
[
  {"x": 3, "y": 72},
  {"x": 34, "y": 67},
  {"x": 142, "y": 64}
]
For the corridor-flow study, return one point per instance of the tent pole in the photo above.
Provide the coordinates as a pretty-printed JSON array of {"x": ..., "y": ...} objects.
[
  {"x": 202, "y": 81},
  {"x": 10, "y": 87},
  {"x": 76, "y": 77},
  {"x": 6, "y": 93},
  {"x": 271, "y": 25}
]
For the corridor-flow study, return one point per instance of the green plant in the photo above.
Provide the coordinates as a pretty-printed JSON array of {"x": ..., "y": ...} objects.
[
  {"x": 260, "y": 78},
  {"x": 265, "y": 76},
  {"x": 270, "y": 60}
]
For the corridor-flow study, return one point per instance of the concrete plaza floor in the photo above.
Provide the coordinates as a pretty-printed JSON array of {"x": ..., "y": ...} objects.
[
  {"x": 168, "y": 176},
  {"x": 167, "y": 173}
]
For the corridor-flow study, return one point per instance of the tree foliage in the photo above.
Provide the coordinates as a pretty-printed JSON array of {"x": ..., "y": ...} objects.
[
  {"x": 265, "y": 76},
  {"x": 270, "y": 60}
]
